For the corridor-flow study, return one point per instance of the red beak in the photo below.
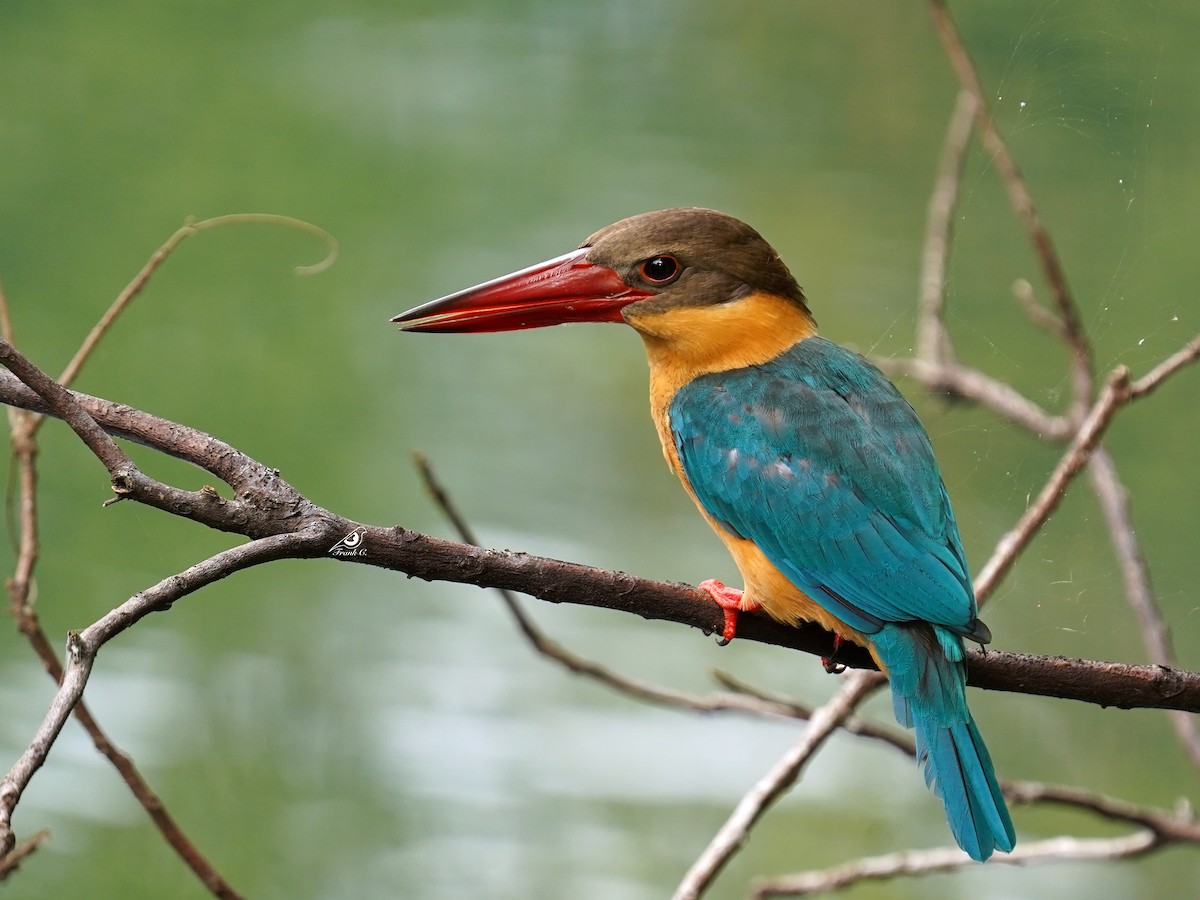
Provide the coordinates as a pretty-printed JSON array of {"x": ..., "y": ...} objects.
[{"x": 564, "y": 289}]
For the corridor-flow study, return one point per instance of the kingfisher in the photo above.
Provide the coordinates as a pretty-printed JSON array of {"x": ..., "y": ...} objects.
[{"x": 808, "y": 463}]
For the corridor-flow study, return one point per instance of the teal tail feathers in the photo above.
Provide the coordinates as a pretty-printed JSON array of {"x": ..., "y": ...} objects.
[{"x": 926, "y": 668}]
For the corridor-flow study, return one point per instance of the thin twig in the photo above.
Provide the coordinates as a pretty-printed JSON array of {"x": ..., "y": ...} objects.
[
  {"x": 189, "y": 228},
  {"x": 732, "y": 835},
  {"x": 62, "y": 405},
  {"x": 23, "y": 426},
  {"x": 6, "y": 328},
  {"x": 1184, "y": 356},
  {"x": 258, "y": 489},
  {"x": 967, "y": 383},
  {"x": 856, "y": 725},
  {"x": 1157, "y": 828},
  {"x": 949, "y": 859},
  {"x": 546, "y": 646},
  {"x": 1115, "y": 394},
  {"x": 932, "y": 339},
  {"x": 1114, "y": 503},
  {"x": 1038, "y": 314},
  {"x": 24, "y": 452},
  {"x": 1022, "y": 202},
  {"x": 24, "y": 849},
  {"x": 82, "y": 648},
  {"x": 1180, "y": 825},
  {"x": 24, "y": 448}
]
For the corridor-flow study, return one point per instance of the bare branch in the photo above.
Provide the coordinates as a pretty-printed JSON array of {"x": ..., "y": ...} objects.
[
  {"x": 82, "y": 648},
  {"x": 61, "y": 404},
  {"x": 856, "y": 725},
  {"x": 1022, "y": 202},
  {"x": 1157, "y": 828},
  {"x": 24, "y": 451},
  {"x": 966, "y": 383},
  {"x": 6, "y": 329},
  {"x": 1116, "y": 393},
  {"x": 23, "y": 427},
  {"x": 24, "y": 849},
  {"x": 1038, "y": 314},
  {"x": 1114, "y": 502},
  {"x": 1186, "y": 355},
  {"x": 949, "y": 859},
  {"x": 1148, "y": 687},
  {"x": 24, "y": 448},
  {"x": 166, "y": 824},
  {"x": 261, "y": 496},
  {"x": 579, "y": 665},
  {"x": 139, "y": 282},
  {"x": 825, "y": 720},
  {"x": 933, "y": 342},
  {"x": 1180, "y": 825},
  {"x": 277, "y": 507}
]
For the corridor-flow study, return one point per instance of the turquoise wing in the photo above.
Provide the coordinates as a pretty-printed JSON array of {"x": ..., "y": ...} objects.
[{"x": 819, "y": 460}]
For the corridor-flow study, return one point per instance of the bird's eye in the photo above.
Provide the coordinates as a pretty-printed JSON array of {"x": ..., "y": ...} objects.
[{"x": 661, "y": 269}]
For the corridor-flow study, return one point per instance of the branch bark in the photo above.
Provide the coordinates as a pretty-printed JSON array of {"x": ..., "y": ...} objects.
[{"x": 267, "y": 505}]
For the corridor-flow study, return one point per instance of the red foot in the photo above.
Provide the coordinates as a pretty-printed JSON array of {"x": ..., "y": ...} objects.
[
  {"x": 834, "y": 668},
  {"x": 730, "y": 601}
]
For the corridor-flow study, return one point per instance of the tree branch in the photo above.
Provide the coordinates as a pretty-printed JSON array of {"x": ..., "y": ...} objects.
[
  {"x": 275, "y": 507},
  {"x": 126, "y": 479},
  {"x": 933, "y": 339},
  {"x": 1156, "y": 829},
  {"x": 1116, "y": 393},
  {"x": 949, "y": 859},
  {"x": 1022, "y": 202},
  {"x": 82, "y": 648},
  {"x": 543, "y": 644},
  {"x": 26, "y": 848},
  {"x": 824, "y": 721},
  {"x": 1114, "y": 503}
]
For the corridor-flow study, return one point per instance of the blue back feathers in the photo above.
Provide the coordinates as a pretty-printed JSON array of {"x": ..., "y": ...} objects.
[{"x": 819, "y": 460}]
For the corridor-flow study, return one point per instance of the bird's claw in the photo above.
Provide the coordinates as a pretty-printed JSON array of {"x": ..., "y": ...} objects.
[
  {"x": 731, "y": 602},
  {"x": 832, "y": 667}
]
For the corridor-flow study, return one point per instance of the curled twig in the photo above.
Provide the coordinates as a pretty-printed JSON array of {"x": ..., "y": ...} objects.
[{"x": 189, "y": 228}]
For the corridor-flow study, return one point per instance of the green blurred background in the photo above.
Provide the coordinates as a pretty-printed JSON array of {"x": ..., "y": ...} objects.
[{"x": 325, "y": 730}]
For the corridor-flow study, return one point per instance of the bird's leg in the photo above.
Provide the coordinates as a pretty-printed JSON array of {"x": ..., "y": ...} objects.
[
  {"x": 832, "y": 667},
  {"x": 730, "y": 601}
]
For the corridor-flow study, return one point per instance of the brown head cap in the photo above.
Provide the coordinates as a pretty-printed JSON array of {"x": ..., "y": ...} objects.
[{"x": 719, "y": 258}]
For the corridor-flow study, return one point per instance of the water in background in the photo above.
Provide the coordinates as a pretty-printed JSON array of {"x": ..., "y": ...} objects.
[{"x": 325, "y": 730}]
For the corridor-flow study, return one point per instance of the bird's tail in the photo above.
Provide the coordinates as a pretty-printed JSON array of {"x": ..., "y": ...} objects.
[{"x": 928, "y": 678}]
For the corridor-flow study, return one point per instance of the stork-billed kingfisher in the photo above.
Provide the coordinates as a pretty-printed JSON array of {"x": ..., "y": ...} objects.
[{"x": 807, "y": 462}]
